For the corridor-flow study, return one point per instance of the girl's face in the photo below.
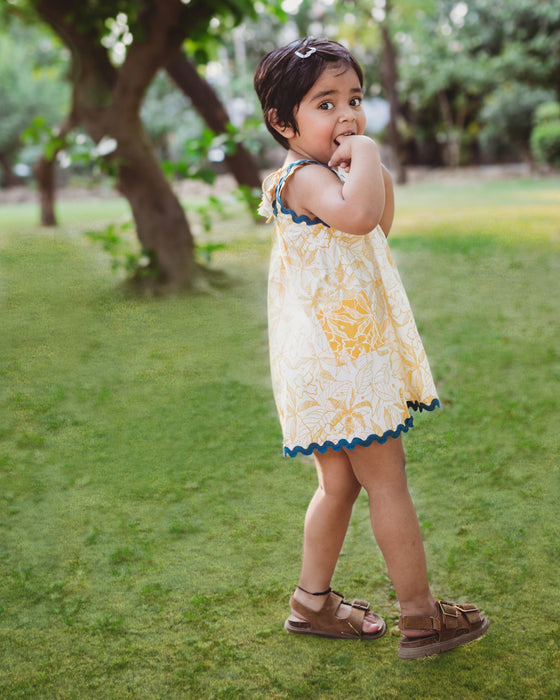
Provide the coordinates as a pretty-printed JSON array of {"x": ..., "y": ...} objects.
[{"x": 330, "y": 110}]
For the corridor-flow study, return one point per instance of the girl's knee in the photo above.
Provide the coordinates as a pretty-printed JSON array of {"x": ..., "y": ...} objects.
[
  {"x": 345, "y": 492},
  {"x": 336, "y": 476},
  {"x": 379, "y": 465}
]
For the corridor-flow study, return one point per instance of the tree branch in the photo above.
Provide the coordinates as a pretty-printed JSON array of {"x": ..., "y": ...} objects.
[{"x": 207, "y": 103}]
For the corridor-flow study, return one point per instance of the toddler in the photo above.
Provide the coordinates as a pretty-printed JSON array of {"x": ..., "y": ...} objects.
[{"x": 347, "y": 362}]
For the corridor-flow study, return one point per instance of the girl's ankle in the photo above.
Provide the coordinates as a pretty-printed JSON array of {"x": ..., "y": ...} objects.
[
  {"x": 426, "y": 607},
  {"x": 312, "y": 600}
]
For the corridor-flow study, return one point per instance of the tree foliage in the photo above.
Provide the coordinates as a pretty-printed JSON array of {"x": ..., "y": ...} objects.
[
  {"x": 545, "y": 137},
  {"x": 462, "y": 56},
  {"x": 31, "y": 86},
  {"x": 507, "y": 117},
  {"x": 458, "y": 62}
]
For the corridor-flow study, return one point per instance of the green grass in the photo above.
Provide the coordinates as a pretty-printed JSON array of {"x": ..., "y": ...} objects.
[
  {"x": 150, "y": 530},
  {"x": 74, "y": 212}
]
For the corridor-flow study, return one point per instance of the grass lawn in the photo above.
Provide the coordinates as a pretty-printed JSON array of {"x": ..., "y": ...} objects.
[{"x": 150, "y": 530}]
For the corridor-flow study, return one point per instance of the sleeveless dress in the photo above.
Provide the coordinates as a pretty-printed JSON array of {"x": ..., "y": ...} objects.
[{"x": 347, "y": 362}]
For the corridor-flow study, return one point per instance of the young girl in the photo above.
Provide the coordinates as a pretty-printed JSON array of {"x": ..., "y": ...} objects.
[{"x": 346, "y": 358}]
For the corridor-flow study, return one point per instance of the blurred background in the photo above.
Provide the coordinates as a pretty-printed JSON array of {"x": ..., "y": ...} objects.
[{"x": 448, "y": 83}]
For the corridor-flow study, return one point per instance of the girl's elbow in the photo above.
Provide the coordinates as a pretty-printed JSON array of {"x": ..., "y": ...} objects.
[
  {"x": 365, "y": 224},
  {"x": 363, "y": 231},
  {"x": 359, "y": 230},
  {"x": 360, "y": 223}
]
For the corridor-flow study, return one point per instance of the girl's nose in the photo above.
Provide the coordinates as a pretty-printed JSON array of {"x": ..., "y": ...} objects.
[{"x": 346, "y": 114}]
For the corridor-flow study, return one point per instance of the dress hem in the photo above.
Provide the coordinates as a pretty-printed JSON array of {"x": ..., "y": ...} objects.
[{"x": 364, "y": 442}]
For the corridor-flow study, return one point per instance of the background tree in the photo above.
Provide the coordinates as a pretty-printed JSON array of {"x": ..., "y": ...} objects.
[
  {"x": 389, "y": 72},
  {"x": 507, "y": 117},
  {"x": 116, "y": 50},
  {"x": 207, "y": 103},
  {"x": 31, "y": 86},
  {"x": 45, "y": 172},
  {"x": 545, "y": 137},
  {"x": 460, "y": 56},
  {"x": 462, "y": 78}
]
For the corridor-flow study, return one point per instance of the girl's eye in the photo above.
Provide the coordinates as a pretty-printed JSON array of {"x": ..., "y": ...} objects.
[
  {"x": 326, "y": 105},
  {"x": 356, "y": 102}
]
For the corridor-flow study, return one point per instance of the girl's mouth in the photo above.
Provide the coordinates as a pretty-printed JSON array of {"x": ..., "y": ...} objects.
[{"x": 347, "y": 133}]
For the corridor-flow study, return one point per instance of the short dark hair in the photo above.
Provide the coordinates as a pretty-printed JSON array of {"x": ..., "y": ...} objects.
[{"x": 283, "y": 77}]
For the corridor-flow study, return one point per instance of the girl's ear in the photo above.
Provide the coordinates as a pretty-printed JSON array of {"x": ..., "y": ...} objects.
[{"x": 284, "y": 130}]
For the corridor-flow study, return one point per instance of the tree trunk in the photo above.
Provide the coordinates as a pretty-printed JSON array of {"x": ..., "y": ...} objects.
[
  {"x": 454, "y": 130},
  {"x": 207, "y": 103},
  {"x": 389, "y": 79},
  {"x": 10, "y": 178},
  {"x": 45, "y": 175},
  {"x": 161, "y": 225},
  {"x": 44, "y": 171}
]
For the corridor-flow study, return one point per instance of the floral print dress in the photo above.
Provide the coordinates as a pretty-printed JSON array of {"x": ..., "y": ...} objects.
[{"x": 347, "y": 361}]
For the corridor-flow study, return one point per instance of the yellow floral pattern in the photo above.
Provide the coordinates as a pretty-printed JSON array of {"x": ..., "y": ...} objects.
[
  {"x": 350, "y": 328},
  {"x": 347, "y": 361}
]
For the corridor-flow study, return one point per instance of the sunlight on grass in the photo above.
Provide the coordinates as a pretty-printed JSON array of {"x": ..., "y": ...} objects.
[
  {"x": 502, "y": 209},
  {"x": 150, "y": 529}
]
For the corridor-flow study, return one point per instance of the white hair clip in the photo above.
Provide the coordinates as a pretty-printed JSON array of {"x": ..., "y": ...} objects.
[{"x": 308, "y": 53}]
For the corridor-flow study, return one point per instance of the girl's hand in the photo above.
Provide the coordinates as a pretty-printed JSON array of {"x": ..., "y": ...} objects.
[
  {"x": 342, "y": 157},
  {"x": 355, "y": 205}
]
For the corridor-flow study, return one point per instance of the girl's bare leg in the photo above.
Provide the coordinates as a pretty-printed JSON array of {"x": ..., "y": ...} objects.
[
  {"x": 326, "y": 524},
  {"x": 380, "y": 469}
]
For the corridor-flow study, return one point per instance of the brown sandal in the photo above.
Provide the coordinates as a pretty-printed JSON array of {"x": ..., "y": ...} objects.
[
  {"x": 454, "y": 625},
  {"x": 325, "y": 622}
]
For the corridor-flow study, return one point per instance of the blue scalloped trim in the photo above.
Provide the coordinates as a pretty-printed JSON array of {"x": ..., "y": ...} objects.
[
  {"x": 418, "y": 406},
  {"x": 301, "y": 218},
  {"x": 337, "y": 446},
  {"x": 381, "y": 439}
]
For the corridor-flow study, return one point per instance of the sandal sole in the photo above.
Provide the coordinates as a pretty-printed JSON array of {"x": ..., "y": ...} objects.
[
  {"x": 317, "y": 633},
  {"x": 417, "y": 652}
]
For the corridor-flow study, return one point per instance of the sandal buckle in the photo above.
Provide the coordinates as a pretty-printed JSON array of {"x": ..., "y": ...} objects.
[
  {"x": 360, "y": 604},
  {"x": 467, "y": 610},
  {"x": 443, "y": 605}
]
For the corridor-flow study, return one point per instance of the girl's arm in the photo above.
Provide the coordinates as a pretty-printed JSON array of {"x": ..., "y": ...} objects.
[{"x": 354, "y": 206}]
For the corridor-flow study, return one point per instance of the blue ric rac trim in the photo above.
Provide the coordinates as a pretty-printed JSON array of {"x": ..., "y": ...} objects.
[
  {"x": 418, "y": 406},
  {"x": 301, "y": 218},
  {"x": 337, "y": 446},
  {"x": 381, "y": 439}
]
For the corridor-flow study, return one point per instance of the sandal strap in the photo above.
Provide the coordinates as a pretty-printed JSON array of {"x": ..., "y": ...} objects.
[
  {"x": 418, "y": 622},
  {"x": 326, "y": 619},
  {"x": 452, "y": 618}
]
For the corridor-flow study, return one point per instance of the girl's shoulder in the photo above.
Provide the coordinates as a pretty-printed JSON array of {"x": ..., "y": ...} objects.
[
  {"x": 307, "y": 172},
  {"x": 274, "y": 184},
  {"x": 303, "y": 184}
]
